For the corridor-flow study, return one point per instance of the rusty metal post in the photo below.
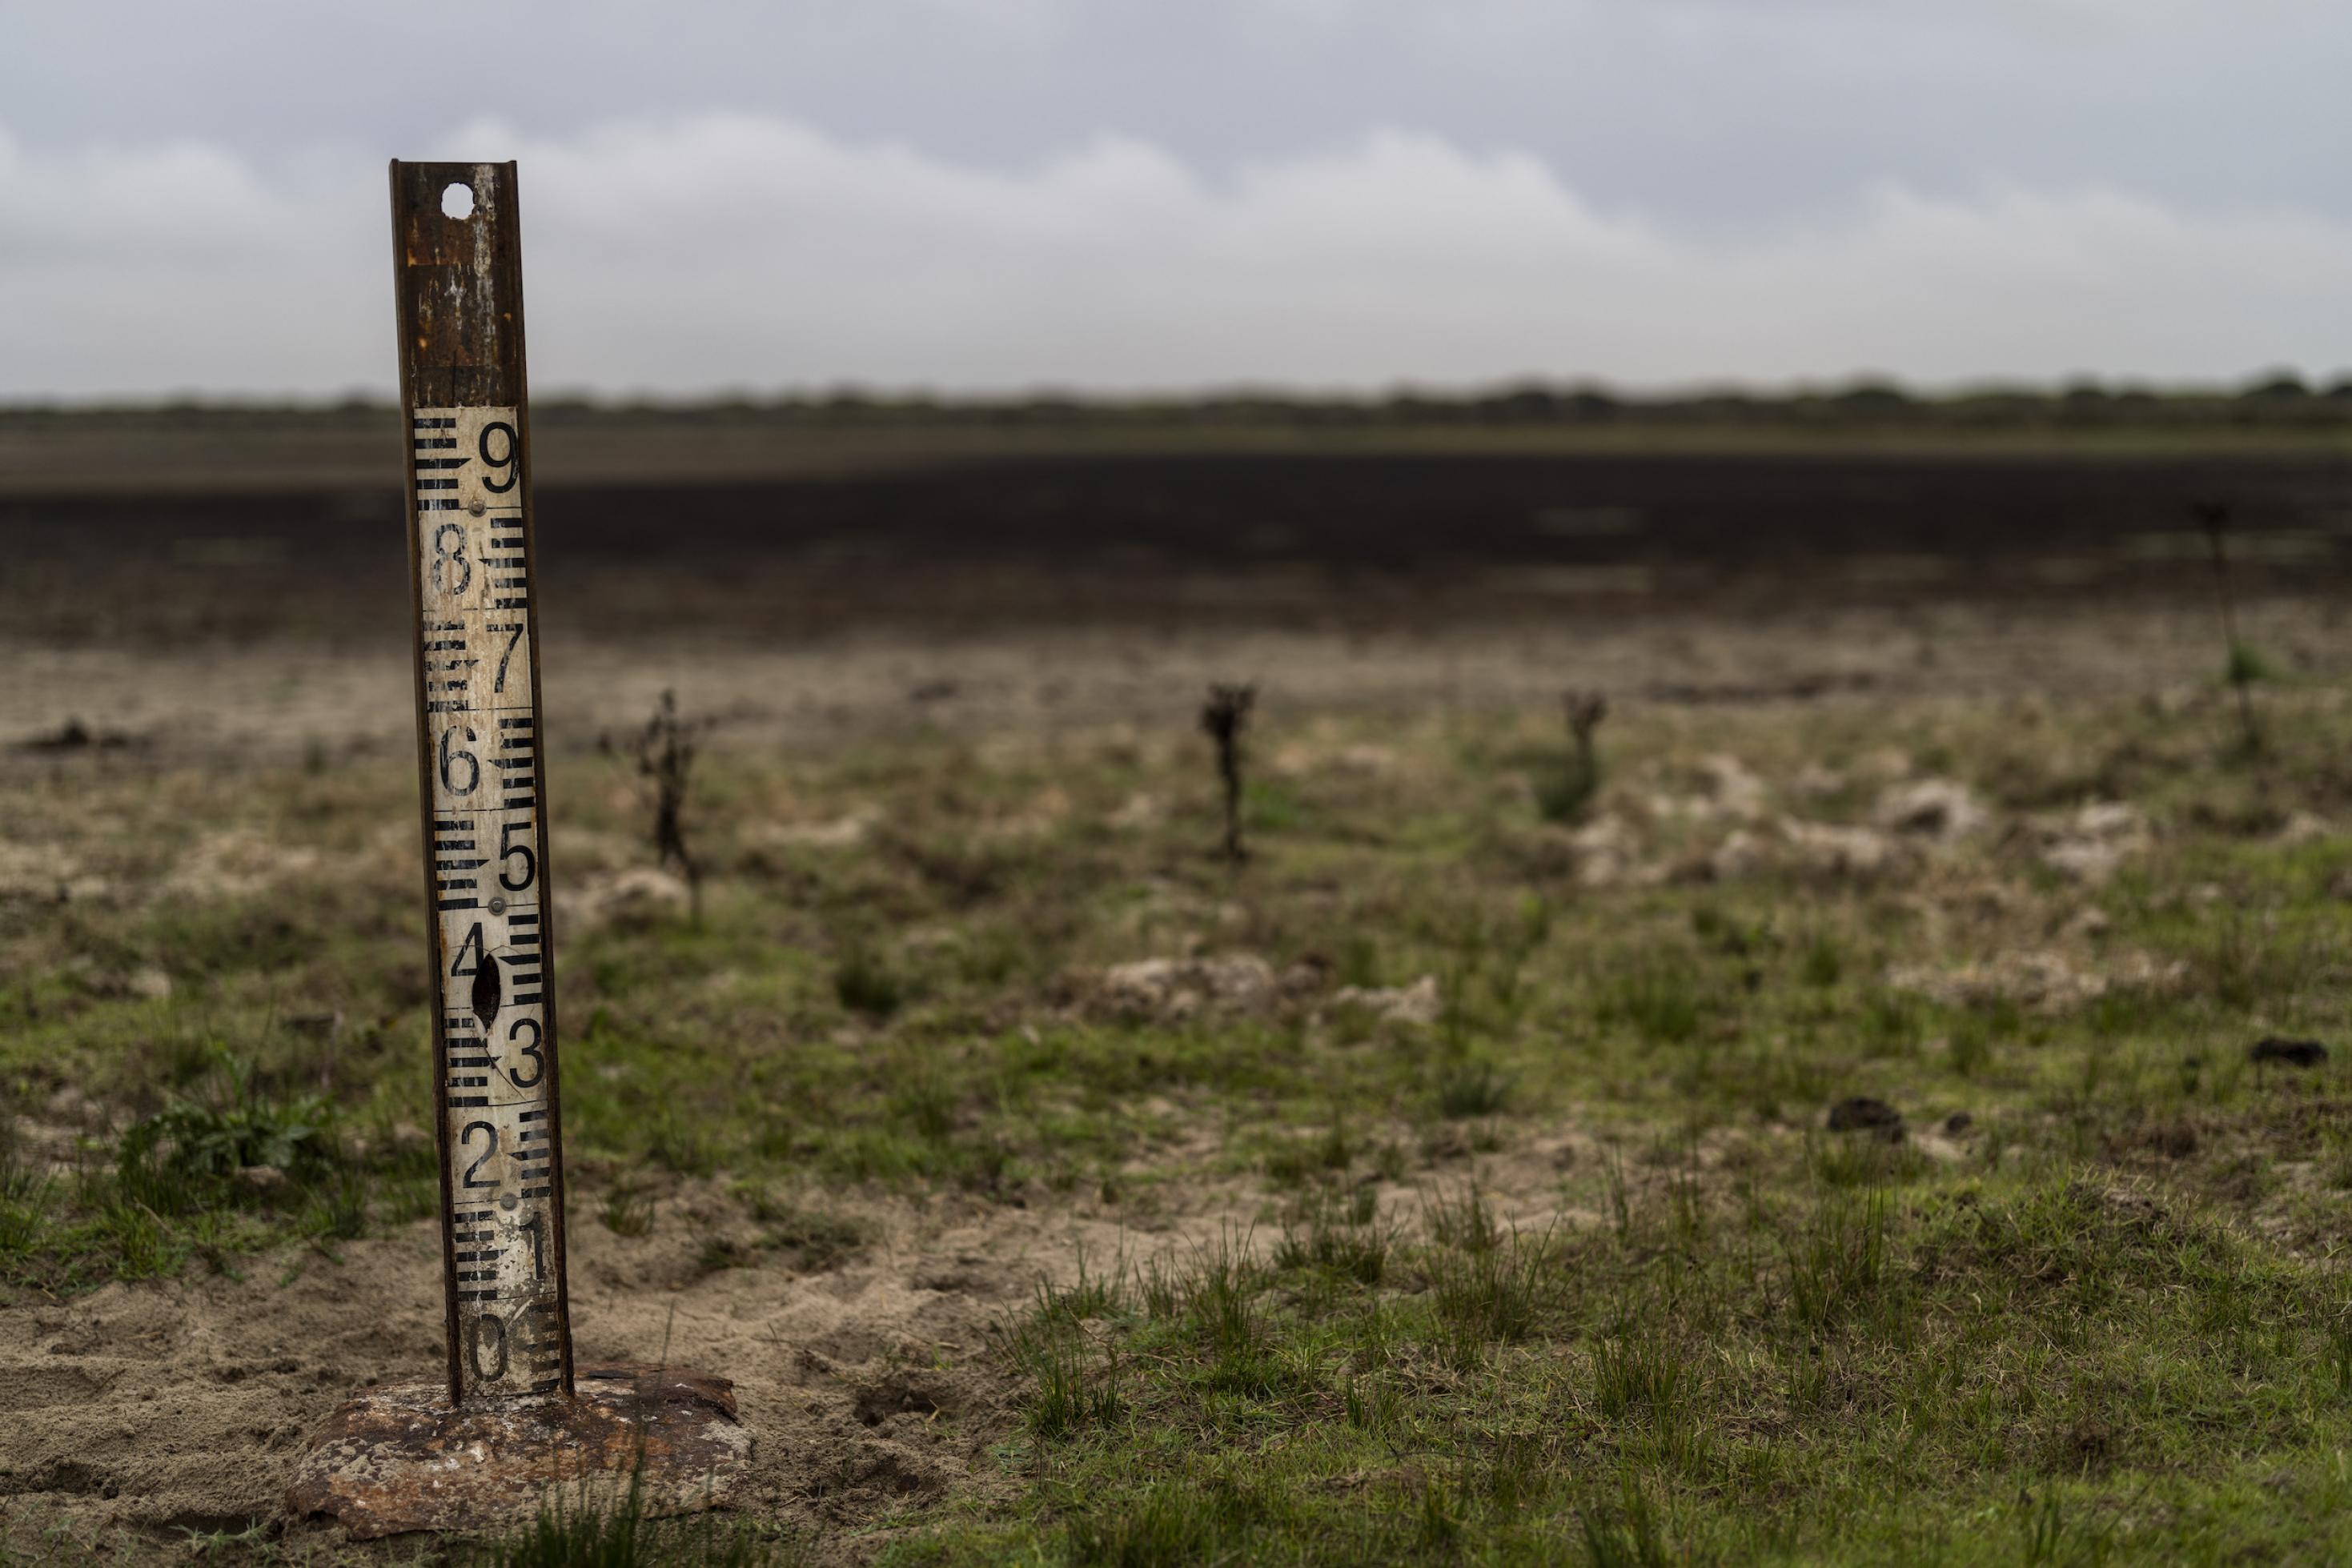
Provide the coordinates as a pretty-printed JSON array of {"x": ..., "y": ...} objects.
[
  {"x": 511, "y": 1420},
  {"x": 458, "y": 279}
]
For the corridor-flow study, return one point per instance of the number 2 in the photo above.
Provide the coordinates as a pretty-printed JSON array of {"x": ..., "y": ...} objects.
[{"x": 465, "y": 1138}]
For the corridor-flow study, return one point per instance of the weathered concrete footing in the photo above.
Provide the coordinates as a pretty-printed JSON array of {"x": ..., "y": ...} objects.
[{"x": 400, "y": 1458}]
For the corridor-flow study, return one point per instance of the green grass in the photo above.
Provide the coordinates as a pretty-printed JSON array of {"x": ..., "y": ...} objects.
[
  {"x": 590, "y": 1527},
  {"x": 1572, "y": 1272},
  {"x": 2001, "y": 1371},
  {"x": 236, "y": 1167}
]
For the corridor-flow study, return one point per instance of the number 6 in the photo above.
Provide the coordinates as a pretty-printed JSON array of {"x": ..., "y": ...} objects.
[{"x": 450, "y": 758}]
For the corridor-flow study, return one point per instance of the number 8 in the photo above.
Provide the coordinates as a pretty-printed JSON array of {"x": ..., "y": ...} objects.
[{"x": 444, "y": 558}]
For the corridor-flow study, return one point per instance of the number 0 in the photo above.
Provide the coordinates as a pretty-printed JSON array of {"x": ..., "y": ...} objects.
[{"x": 486, "y": 1327}]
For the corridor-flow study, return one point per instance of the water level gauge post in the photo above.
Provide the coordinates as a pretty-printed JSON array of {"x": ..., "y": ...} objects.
[{"x": 512, "y": 1417}]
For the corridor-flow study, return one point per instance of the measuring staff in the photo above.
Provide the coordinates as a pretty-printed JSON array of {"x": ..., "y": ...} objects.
[{"x": 457, "y": 240}]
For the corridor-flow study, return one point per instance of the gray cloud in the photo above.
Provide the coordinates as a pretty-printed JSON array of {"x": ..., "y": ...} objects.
[
  {"x": 752, "y": 251},
  {"x": 1143, "y": 192},
  {"x": 1704, "y": 112}
]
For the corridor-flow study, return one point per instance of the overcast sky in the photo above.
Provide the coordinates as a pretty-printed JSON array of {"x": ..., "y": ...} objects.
[{"x": 1120, "y": 195}]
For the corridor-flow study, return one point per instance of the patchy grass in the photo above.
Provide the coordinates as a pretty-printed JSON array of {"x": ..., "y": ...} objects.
[
  {"x": 1564, "y": 1266},
  {"x": 592, "y": 1528},
  {"x": 1997, "y": 1370}
]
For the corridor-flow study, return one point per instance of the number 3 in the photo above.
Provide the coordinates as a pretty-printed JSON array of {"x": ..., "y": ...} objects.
[{"x": 538, "y": 1062}]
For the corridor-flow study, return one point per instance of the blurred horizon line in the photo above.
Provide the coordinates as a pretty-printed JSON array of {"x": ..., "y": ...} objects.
[{"x": 2277, "y": 390}]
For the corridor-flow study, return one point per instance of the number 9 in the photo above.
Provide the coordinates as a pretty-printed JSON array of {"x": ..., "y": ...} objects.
[{"x": 507, "y": 462}]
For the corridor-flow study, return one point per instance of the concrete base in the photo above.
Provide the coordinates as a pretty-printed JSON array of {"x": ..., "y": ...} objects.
[{"x": 399, "y": 1459}]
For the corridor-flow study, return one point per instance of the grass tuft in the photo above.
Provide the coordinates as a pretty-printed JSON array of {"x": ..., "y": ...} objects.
[
  {"x": 629, "y": 1210},
  {"x": 864, "y": 983},
  {"x": 1658, "y": 998},
  {"x": 1473, "y": 1088},
  {"x": 593, "y": 1526}
]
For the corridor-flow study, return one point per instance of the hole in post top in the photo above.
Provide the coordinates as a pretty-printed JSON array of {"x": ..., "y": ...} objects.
[{"x": 457, "y": 201}]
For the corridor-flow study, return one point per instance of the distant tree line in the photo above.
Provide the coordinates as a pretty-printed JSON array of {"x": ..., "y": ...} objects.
[{"x": 2272, "y": 401}]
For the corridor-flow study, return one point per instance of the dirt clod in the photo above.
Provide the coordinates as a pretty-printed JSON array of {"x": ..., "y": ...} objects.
[
  {"x": 1861, "y": 1114},
  {"x": 2277, "y": 1050}
]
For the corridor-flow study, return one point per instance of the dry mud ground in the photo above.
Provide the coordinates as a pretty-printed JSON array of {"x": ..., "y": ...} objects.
[
  {"x": 147, "y": 1413},
  {"x": 274, "y": 700},
  {"x": 164, "y": 1408}
]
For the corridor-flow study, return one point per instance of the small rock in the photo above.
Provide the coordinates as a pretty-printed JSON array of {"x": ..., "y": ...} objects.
[
  {"x": 1885, "y": 765},
  {"x": 1941, "y": 809},
  {"x": 1309, "y": 976},
  {"x": 1418, "y": 1003},
  {"x": 843, "y": 832},
  {"x": 1815, "y": 783},
  {"x": 1608, "y": 852},
  {"x": 1861, "y": 1114},
  {"x": 641, "y": 896},
  {"x": 2288, "y": 1052},
  {"x": 2303, "y": 828},
  {"x": 2038, "y": 980},
  {"x": 1139, "y": 811},
  {"x": 1731, "y": 787},
  {"x": 1170, "y": 989},
  {"x": 1742, "y": 855},
  {"x": 2087, "y": 924},
  {"x": 1828, "y": 851},
  {"x": 2090, "y": 846}
]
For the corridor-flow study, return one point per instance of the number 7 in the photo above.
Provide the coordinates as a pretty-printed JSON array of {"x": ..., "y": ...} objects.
[{"x": 513, "y": 629}]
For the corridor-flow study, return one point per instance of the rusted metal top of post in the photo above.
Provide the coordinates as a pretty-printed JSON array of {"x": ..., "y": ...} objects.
[{"x": 459, "y": 286}]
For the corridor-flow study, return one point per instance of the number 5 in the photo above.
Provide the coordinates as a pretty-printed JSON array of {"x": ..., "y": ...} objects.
[{"x": 508, "y": 850}]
